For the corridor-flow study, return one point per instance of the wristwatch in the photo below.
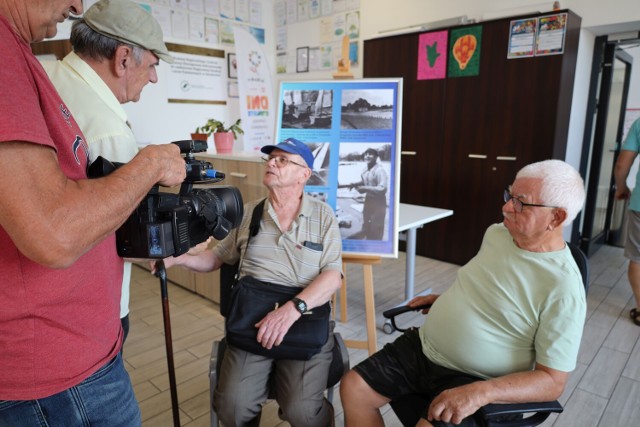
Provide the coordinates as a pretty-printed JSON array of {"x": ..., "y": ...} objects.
[{"x": 300, "y": 305}]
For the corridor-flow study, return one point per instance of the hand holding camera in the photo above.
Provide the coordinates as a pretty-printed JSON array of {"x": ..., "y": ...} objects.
[{"x": 166, "y": 224}]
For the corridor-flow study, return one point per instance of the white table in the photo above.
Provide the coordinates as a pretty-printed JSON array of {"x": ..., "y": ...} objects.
[{"x": 411, "y": 218}]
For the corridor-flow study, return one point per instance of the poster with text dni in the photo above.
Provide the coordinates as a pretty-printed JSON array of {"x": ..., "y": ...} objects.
[{"x": 353, "y": 128}]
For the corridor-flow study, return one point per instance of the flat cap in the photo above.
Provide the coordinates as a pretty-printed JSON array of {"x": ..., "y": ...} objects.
[{"x": 128, "y": 22}]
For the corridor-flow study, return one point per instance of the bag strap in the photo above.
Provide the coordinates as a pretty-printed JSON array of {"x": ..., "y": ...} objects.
[
  {"x": 254, "y": 228},
  {"x": 256, "y": 216}
]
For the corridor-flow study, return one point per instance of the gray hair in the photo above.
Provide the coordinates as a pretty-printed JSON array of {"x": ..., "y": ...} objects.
[
  {"x": 88, "y": 42},
  {"x": 562, "y": 185}
]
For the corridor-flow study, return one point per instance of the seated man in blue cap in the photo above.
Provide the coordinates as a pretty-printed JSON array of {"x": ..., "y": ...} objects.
[{"x": 299, "y": 245}]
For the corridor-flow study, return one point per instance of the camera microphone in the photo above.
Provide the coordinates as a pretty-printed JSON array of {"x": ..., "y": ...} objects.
[{"x": 214, "y": 174}]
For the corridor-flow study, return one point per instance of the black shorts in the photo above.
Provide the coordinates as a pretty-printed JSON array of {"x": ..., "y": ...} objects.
[{"x": 401, "y": 369}]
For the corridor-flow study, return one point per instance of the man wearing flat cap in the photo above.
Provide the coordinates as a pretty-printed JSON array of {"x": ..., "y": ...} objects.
[
  {"x": 298, "y": 245},
  {"x": 116, "y": 48}
]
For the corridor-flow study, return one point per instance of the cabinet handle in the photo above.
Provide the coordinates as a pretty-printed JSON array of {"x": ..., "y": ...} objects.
[
  {"x": 408, "y": 153},
  {"x": 507, "y": 158},
  {"x": 477, "y": 156},
  {"x": 238, "y": 175}
]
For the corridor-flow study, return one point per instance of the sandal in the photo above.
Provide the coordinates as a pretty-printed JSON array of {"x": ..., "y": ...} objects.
[{"x": 635, "y": 316}]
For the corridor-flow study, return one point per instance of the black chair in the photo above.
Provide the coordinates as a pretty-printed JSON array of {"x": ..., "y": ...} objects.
[
  {"x": 339, "y": 366},
  {"x": 410, "y": 408}
]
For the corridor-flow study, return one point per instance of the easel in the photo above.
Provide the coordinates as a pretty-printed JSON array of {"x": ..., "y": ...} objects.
[{"x": 367, "y": 262}]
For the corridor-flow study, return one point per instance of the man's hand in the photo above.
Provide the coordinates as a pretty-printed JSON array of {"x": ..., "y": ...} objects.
[
  {"x": 423, "y": 300},
  {"x": 275, "y": 325},
  {"x": 167, "y": 162},
  {"x": 622, "y": 193},
  {"x": 455, "y": 404}
]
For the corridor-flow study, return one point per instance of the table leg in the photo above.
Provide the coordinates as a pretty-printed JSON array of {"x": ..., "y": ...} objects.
[{"x": 410, "y": 267}]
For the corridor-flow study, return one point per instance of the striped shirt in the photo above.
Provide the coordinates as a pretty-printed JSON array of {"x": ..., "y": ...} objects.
[{"x": 294, "y": 258}]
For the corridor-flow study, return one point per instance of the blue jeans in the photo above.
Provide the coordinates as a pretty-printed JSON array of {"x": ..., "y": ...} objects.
[{"x": 105, "y": 399}]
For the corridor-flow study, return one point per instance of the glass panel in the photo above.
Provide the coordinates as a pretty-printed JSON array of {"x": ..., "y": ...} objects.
[{"x": 610, "y": 145}]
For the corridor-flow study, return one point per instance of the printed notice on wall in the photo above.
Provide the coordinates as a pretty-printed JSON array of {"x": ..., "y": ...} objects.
[
  {"x": 522, "y": 38},
  {"x": 550, "y": 34},
  {"x": 197, "y": 76}
]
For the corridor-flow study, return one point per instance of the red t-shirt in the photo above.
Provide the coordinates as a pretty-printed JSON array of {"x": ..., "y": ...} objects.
[{"x": 57, "y": 327}]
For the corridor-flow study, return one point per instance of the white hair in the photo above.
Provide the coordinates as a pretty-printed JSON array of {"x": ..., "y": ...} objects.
[{"x": 562, "y": 185}]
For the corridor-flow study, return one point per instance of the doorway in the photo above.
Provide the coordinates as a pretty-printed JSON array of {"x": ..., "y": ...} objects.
[{"x": 611, "y": 73}]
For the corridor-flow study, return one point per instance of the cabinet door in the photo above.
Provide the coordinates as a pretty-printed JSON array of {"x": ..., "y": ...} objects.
[
  {"x": 183, "y": 277},
  {"x": 208, "y": 285},
  {"x": 248, "y": 175}
]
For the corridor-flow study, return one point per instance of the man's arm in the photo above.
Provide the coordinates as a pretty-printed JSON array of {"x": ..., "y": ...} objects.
[
  {"x": 200, "y": 261},
  {"x": 621, "y": 171},
  {"x": 540, "y": 385},
  {"x": 53, "y": 220}
]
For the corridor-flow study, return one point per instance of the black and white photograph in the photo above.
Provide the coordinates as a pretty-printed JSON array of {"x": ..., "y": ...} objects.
[
  {"x": 367, "y": 109},
  {"x": 321, "y": 156},
  {"x": 307, "y": 109},
  {"x": 363, "y": 190}
]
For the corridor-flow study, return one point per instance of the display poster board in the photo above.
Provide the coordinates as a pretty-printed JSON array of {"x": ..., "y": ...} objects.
[{"x": 353, "y": 128}]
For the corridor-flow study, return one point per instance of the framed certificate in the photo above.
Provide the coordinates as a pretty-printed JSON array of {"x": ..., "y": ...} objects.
[
  {"x": 232, "y": 66},
  {"x": 302, "y": 60}
]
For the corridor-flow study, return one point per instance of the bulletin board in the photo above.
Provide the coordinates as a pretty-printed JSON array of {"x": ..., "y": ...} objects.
[{"x": 353, "y": 128}]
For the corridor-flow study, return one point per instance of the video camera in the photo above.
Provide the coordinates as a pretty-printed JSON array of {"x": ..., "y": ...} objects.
[{"x": 167, "y": 224}]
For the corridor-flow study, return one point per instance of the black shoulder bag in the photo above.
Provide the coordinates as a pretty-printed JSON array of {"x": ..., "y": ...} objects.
[{"x": 248, "y": 300}]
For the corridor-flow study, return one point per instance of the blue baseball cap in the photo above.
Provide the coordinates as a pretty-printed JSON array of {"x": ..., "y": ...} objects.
[{"x": 293, "y": 146}]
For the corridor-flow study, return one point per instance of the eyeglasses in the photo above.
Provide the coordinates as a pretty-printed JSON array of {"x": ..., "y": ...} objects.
[
  {"x": 281, "y": 161},
  {"x": 518, "y": 204}
]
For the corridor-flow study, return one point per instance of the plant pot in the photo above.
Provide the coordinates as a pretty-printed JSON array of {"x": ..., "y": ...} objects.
[
  {"x": 199, "y": 136},
  {"x": 223, "y": 141}
]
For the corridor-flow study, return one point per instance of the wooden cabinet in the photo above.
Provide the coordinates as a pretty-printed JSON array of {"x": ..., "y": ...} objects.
[
  {"x": 471, "y": 135},
  {"x": 245, "y": 173}
]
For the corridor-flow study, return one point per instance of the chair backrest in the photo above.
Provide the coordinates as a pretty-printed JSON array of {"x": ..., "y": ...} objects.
[{"x": 583, "y": 264}]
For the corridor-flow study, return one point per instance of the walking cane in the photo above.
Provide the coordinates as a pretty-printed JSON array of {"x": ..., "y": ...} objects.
[{"x": 161, "y": 272}]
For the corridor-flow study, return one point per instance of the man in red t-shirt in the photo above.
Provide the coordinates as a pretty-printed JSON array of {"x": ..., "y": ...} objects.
[{"x": 60, "y": 275}]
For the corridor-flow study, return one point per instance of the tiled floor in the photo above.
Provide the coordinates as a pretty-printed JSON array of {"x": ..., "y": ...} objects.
[{"x": 603, "y": 391}]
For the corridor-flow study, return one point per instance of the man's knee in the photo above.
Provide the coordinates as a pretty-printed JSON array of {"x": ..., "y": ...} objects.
[
  {"x": 355, "y": 390},
  {"x": 233, "y": 410},
  {"x": 307, "y": 412}
]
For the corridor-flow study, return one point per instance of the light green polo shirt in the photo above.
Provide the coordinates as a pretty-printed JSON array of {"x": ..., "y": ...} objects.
[
  {"x": 632, "y": 143},
  {"x": 284, "y": 258},
  {"x": 508, "y": 309}
]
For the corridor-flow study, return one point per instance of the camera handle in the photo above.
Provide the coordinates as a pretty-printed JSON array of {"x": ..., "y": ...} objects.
[{"x": 161, "y": 273}]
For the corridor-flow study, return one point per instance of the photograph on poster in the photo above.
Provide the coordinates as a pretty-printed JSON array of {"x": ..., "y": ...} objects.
[
  {"x": 307, "y": 109},
  {"x": 363, "y": 184},
  {"x": 353, "y": 130},
  {"x": 367, "y": 109}
]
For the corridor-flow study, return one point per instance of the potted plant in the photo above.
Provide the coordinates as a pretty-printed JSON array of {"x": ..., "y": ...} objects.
[{"x": 223, "y": 137}]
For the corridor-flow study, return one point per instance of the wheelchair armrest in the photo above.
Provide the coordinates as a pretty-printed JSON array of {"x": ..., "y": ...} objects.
[
  {"x": 396, "y": 311},
  {"x": 540, "y": 410},
  {"x": 393, "y": 312}
]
